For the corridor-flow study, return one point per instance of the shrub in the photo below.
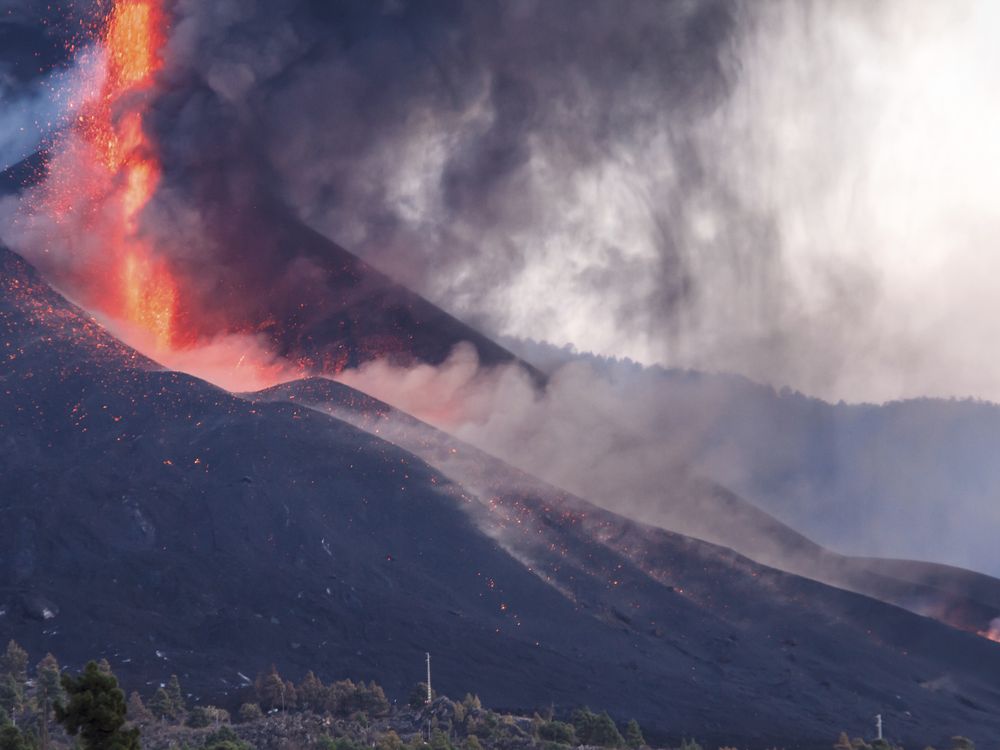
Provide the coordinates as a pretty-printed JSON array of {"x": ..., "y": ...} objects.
[
  {"x": 250, "y": 712},
  {"x": 225, "y": 738},
  {"x": 207, "y": 716},
  {"x": 557, "y": 731}
]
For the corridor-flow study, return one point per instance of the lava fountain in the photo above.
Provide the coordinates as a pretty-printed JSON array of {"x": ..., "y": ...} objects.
[
  {"x": 103, "y": 171},
  {"x": 82, "y": 224}
]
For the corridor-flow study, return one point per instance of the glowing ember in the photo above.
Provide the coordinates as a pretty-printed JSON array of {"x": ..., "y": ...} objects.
[
  {"x": 994, "y": 632},
  {"x": 104, "y": 172},
  {"x": 150, "y": 296}
]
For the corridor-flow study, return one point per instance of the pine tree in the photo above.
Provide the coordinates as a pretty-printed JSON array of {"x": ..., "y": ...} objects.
[
  {"x": 596, "y": 729},
  {"x": 372, "y": 700},
  {"x": 11, "y": 697},
  {"x": 633, "y": 735},
  {"x": 49, "y": 692},
  {"x": 15, "y": 663},
  {"x": 312, "y": 693},
  {"x": 104, "y": 666},
  {"x": 178, "y": 704},
  {"x": 291, "y": 696},
  {"x": 11, "y": 738},
  {"x": 136, "y": 711},
  {"x": 271, "y": 690},
  {"x": 95, "y": 711},
  {"x": 161, "y": 706}
]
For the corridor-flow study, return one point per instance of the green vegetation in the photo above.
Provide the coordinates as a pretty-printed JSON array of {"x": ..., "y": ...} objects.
[
  {"x": 91, "y": 713},
  {"x": 596, "y": 729},
  {"x": 95, "y": 711}
]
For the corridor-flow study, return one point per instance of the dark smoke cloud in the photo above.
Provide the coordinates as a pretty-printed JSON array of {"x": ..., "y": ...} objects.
[
  {"x": 433, "y": 138},
  {"x": 709, "y": 184}
]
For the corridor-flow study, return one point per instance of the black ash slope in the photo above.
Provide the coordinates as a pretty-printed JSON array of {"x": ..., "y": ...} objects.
[
  {"x": 700, "y": 508},
  {"x": 158, "y": 521}
]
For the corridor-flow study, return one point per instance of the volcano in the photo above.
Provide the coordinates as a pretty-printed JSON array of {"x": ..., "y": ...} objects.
[{"x": 174, "y": 527}]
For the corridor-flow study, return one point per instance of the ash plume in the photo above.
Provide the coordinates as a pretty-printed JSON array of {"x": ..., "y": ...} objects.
[
  {"x": 725, "y": 186},
  {"x": 718, "y": 185}
]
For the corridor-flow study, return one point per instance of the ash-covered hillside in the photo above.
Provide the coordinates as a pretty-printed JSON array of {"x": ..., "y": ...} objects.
[
  {"x": 960, "y": 598},
  {"x": 172, "y": 527}
]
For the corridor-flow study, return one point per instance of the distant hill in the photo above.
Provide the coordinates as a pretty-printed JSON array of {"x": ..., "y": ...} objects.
[{"x": 911, "y": 479}]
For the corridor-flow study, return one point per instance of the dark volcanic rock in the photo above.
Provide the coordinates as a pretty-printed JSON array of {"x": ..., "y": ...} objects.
[{"x": 173, "y": 527}]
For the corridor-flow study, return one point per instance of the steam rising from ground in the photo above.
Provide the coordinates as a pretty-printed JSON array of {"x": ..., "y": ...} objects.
[{"x": 909, "y": 480}]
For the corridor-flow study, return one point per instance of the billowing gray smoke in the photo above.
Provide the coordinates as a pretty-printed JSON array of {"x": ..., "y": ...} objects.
[
  {"x": 749, "y": 187},
  {"x": 422, "y": 136}
]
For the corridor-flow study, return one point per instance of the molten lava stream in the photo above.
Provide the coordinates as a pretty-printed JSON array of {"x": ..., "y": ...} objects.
[
  {"x": 103, "y": 171},
  {"x": 124, "y": 173}
]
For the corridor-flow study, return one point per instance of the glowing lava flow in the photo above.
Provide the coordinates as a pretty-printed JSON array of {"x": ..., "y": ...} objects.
[
  {"x": 104, "y": 172},
  {"x": 993, "y": 633}
]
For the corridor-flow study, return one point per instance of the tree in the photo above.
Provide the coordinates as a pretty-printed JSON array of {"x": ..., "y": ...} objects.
[
  {"x": 472, "y": 743},
  {"x": 962, "y": 743},
  {"x": 161, "y": 706},
  {"x": 843, "y": 742},
  {"x": 440, "y": 741},
  {"x": 207, "y": 716},
  {"x": 49, "y": 692},
  {"x": 418, "y": 696},
  {"x": 11, "y": 696},
  {"x": 250, "y": 712},
  {"x": 15, "y": 663},
  {"x": 633, "y": 735},
  {"x": 225, "y": 738},
  {"x": 11, "y": 738},
  {"x": 312, "y": 693},
  {"x": 596, "y": 729},
  {"x": 136, "y": 710},
  {"x": 557, "y": 731},
  {"x": 104, "y": 666},
  {"x": 389, "y": 741},
  {"x": 95, "y": 711},
  {"x": 371, "y": 699},
  {"x": 177, "y": 701},
  {"x": 291, "y": 696},
  {"x": 271, "y": 690}
]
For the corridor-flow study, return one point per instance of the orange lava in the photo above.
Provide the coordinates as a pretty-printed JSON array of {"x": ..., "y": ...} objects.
[
  {"x": 106, "y": 171},
  {"x": 102, "y": 171}
]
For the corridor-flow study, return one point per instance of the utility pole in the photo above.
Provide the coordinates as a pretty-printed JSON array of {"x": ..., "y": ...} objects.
[
  {"x": 878, "y": 726},
  {"x": 430, "y": 694}
]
